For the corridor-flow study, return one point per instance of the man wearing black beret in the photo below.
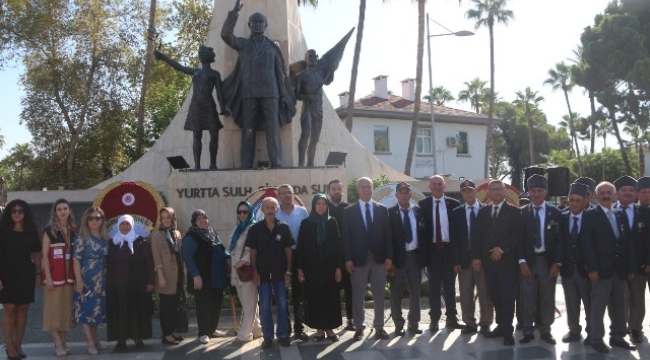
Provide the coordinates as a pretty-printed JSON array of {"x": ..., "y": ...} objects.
[{"x": 591, "y": 184}]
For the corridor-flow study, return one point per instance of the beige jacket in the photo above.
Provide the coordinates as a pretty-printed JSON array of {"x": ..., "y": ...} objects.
[
  {"x": 240, "y": 252},
  {"x": 164, "y": 259}
]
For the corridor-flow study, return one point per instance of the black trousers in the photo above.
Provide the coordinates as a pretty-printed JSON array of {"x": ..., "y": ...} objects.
[
  {"x": 208, "y": 308},
  {"x": 441, "y": 275},
  {"x": 346, "y": 285},
  {"x": 169, "y": 312},
  {"x": 296, "y": 296}
]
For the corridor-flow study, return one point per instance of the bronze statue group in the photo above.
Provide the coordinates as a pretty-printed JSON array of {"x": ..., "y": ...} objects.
[{"x": 259, "y": 95}]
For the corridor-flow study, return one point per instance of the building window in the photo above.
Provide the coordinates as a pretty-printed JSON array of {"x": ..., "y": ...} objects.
[
  {"x": 463, "y": 143},
  {"x": 381, "y": 139},
  {"x": 423, "y": 142}
]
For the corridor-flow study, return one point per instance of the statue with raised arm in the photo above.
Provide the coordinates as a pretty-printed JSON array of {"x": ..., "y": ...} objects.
[
  {"x": 308, "y": 78},
  {"x": 202, "y": 113},
  {"x": 258, "y": 92}
]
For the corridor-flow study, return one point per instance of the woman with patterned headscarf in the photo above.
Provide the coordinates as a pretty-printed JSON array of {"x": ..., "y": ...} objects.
[
  {"x": 206, "y": 262},
  {"x": 318, "y": 259},
  {"x": 240, "y": 255},
  {"x": 129, "y": 283}
]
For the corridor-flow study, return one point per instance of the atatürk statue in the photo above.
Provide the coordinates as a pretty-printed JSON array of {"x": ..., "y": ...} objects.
[
  {"x": 308, "y": 77},
  {"x": 202, "y": 114},
  {"x": 258, "y": 92}
]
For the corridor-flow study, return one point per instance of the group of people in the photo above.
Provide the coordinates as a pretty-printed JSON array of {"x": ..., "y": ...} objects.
[{"x": 507, "y": 256}]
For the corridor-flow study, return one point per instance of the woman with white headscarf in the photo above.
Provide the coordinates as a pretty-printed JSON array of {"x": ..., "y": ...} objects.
[{"x": 129, "y": 285}]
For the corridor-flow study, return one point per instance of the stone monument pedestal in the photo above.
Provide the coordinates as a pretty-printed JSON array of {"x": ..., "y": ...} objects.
[{"x": 219, "y": 192}]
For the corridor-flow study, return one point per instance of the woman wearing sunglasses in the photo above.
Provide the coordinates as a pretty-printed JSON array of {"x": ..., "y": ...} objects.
[
  {"x": 20, "y": 273},
  {"x": 246, "y": 290},
  {"x": 90, "y": 250}
]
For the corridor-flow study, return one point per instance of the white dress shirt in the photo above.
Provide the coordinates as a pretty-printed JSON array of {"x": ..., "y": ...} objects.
[
  {"x": 362, "y": 206},
  {"x": 468, "y": 211},
  {"x": 444, "y": 219},
  {"x": 414, "y": 227}
]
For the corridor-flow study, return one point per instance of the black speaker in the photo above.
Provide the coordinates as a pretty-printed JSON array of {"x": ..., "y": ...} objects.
[
  {"x": 530, "y": 171},
  {"x": 558, "y": 181}
]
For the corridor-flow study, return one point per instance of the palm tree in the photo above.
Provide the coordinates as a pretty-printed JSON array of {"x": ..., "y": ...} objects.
[
  {"x": 528, "y": 100},
  {"x": 487, "y": 13},
  {"x": 440, "y": 95},
  {"x": 355, "y": 65},
  {"x": 474, "y": 92},
  {"x": 560, "y": 78},
  {"x": 418, "y": 89}
]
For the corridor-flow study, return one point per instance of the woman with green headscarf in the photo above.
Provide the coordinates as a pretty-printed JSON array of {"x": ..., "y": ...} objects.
[{"x": 318, "y": 260}]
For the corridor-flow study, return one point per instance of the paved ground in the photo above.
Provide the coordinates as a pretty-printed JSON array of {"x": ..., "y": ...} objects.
[{"x": 445, "y": 343}]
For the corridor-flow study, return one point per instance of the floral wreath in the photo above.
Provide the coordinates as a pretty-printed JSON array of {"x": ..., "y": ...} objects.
[
  {"x": 138, "y": 199},
  {"x": 512, "y": 194}
]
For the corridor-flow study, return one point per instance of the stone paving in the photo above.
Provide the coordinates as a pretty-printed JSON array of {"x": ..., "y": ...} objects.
[{"x": 443, "y": 344}]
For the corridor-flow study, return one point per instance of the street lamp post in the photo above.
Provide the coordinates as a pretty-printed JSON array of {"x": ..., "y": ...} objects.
[{"x": 431, "y": 101}]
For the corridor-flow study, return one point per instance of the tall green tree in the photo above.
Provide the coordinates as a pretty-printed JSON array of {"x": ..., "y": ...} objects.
[
  {"x": 529, "y": 100},
  {"x": 488, "y": 13},
  {"x": 440, "y": 94},
  {"x": 560, "y": 78},
  {"x": 418, "y": 89},
  {"x": 474, "y": 92},
  {"x": 16, "y": 166}
]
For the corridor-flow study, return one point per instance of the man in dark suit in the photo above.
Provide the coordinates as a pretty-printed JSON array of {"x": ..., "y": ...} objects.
[
  {"x": 634, "y": 224},
  {"x": 463, "y": 221},
  {"x": 368, "y": 254},
  {"x": 435, "y": 251},
  {"x": 642, "y": 244},
  {"x": 576, "y": 285},
  {"x": 610, "y": 260},
  {"x": 405, "y": 221},
  {"x": 537, "y": 260},
  {"x": 591, "y": 184},
  {"x": 336, "y": 206},
  {"x": 495, "y": 244}
]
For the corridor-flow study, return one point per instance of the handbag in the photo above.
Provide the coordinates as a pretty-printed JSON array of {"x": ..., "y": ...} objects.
[
  {"x": 303, "y": 307},
  {"x": 183, "y": 323},
  {"x": 245, "y": 273}
]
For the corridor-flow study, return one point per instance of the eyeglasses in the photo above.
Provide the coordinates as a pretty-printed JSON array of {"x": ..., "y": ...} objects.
[
  {"x": 95, "y": 218},
  {"x": 242, "y": 212},
  {"x": 17, "y": 211}
]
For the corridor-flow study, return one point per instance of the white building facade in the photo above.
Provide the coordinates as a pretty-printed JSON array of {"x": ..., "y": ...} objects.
[{"x": 382, "y": 124}]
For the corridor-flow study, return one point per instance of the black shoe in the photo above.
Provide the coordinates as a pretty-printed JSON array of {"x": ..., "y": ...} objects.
[
  {"x": 399, "y": 331},
  {"x": 318, "y": 338},
  {"x": 621, "y": 344},
  {"x": 381, "y": 334},
  {"x": 178, "y": 338},
  {"x": 600, "y": 347},
  {"x": 285, "y": 341},
  {"x": 484, "y": 329},
  {"x": 120, "y": 346},
  {"x": 333, "y": 338},
  {"x": 527, "y": 338},
  {"x": 139, "y": 344},
  {"x": 519, "y": 326},
  {"x": 17, "y": 357},
  {"x": 301, "y": 336},
  {"x": 167, "y": 342},
  {"x": 434, "y": 327},
  {"x": 358, "y": 335},
  {"x": 571, "y": 337},
  {"x": 508, "y": 340},
  {"x": 587, "y": 342},
  {"x": 548, "y": 338},
  {"x": 267, "y": 344},
  {"x": 496, "y": 333},
  {"x": 350, "y": 326},
  {"x": 414, "y": 329},
  {"x": 454, "y": 324},
  {"x": 636, "y": 336},
  {"x": 22, "y": 355},
  {"x": 469, "y": 330}
]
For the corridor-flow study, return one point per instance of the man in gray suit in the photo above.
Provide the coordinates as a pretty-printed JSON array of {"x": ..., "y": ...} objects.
[{"x": 368, "y": 254}]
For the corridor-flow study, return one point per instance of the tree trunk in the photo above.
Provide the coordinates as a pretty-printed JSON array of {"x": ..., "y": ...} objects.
[
  {"x": 531, "y": 145},
  {"x": 355, "y": 65},
  {"x": 621, "y": 144},
  {"x": 488, "y": 136},
  {"x": 418, "y": 90},
  {"x": 592, "y": 101},
  {"x": 139, "y": 138},
  {"x": 69, "y": 166},
  {"x": 573, "y": 131},
  {"x": 641, "y": 154}
]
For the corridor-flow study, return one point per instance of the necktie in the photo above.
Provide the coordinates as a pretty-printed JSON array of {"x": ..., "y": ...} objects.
[
  {"x": 537, "y": 233},
  {"x": 368, "y": 226},
  {"x": 495, "y": 214},
  {"x": 612, "y": 222},
  {"x": 438, "y": 229},
  {"x": 472, "y": 220},
  {"x": 628, "y": 220},
  {"x": 408, "y": 231},
  {"x": 574, "y": 229}
]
